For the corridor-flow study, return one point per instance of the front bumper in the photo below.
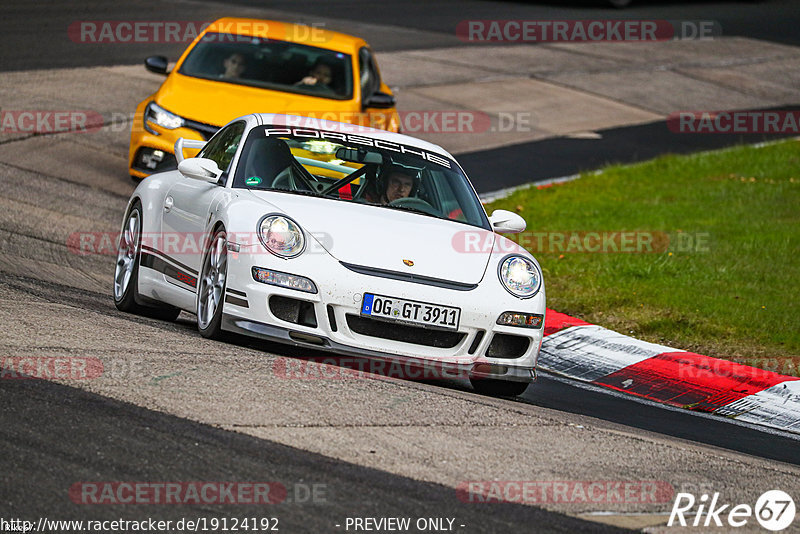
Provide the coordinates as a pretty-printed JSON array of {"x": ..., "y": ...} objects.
[
  {"x": 337, "y": 326},
  {"x": 239, "y": 325}
]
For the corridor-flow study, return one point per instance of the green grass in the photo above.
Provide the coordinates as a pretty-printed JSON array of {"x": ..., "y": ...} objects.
[{"x": 735, "y": 297}]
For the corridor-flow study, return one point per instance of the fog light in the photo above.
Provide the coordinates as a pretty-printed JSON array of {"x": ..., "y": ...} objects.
[
  {"x": 152, "y": 159},
  {"x": 277, "y": 278},
  {"x": 525, "y": 320}
]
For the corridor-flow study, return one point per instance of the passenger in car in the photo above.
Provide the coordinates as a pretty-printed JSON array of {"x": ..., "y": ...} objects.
[
  {"x": 234, "y": 65},
  {"x": 320, "y": 75}
]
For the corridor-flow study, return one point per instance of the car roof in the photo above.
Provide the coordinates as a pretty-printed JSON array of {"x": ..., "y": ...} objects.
[
  {"x": 290, "y": 32},
  {"x": 295, "y": 121}
]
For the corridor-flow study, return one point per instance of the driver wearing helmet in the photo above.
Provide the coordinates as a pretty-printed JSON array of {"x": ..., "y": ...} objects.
[{"x": 394, "y": 182}]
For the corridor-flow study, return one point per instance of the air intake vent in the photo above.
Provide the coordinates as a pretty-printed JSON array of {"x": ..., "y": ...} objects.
[
  {"x": 332, "y": 319},
  {"x": 507, "y": 346},
  {"x": 401, "y": 332},
  {"x": 293, "y": 310},
  {"x": 477, "y": 341}
]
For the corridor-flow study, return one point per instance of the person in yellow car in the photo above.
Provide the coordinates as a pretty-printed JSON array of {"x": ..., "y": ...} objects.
[
  {"x": 240, "y": 66},
  {"x": 321, "y": 76},
  {"x": 234, "y": 66}
]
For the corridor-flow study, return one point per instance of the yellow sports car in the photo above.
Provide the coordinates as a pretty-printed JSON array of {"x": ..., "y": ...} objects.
[{"x": 239, "y": 66}]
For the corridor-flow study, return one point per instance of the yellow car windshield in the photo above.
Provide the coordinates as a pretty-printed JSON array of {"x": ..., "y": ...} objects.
[{"x": 271, "y": 64}]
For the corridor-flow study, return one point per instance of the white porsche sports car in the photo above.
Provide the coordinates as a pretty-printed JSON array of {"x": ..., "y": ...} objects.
[{"x": 336, "y": 237}]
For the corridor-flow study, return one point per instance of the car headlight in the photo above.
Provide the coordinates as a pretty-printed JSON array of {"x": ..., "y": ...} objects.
[
  {"x": 520, "y": 276},
  {"x": 158, "y": 115},
  {"x": 281, "y": 235}
]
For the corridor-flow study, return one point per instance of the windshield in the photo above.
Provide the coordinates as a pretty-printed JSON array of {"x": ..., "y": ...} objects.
[
  {"x": 351, "y": 168},
  {"x": 271, "y": 64}
]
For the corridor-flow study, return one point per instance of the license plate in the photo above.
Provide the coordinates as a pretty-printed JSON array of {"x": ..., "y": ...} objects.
[{"x": 410, "y": 311}]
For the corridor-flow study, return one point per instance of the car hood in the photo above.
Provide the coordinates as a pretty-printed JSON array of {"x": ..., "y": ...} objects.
[
  {"x": 382, "y": 238},
  {"x": 217, "y": 102}
]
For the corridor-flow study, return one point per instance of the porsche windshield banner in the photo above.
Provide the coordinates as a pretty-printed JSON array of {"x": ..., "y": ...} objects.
[{"x": 347, "y": 138}]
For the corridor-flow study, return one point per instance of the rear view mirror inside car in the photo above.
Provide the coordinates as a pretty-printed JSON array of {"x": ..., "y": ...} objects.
[{"x": 358, "y": 155}]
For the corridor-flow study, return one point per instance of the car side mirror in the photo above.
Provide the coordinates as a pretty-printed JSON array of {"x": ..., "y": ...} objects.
[
  {"x": 379, "y": 100},
  {"x": 200, "y": 169},
  {"x": 507, "y": 222},
  {"x": 157, "y": 64},
  {"x": 182, "y": 143}
]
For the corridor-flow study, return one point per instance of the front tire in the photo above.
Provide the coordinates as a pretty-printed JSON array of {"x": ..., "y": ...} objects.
[
  {"x": 126, "y": 272},
  {"x": 211, "y": 287},
  {"x": 498, "y": 388}
]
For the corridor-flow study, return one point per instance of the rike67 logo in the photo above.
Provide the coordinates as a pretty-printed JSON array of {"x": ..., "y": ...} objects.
[{"x": 774, "y": 510}]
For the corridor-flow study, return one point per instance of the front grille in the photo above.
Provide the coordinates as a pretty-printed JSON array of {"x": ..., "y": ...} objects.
[
  {"x": 507, "y": 346},
  {"x": 293, "y": 310},
  {"x": 206, "y": 130},
  {"x": 400, "y": 332}
]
